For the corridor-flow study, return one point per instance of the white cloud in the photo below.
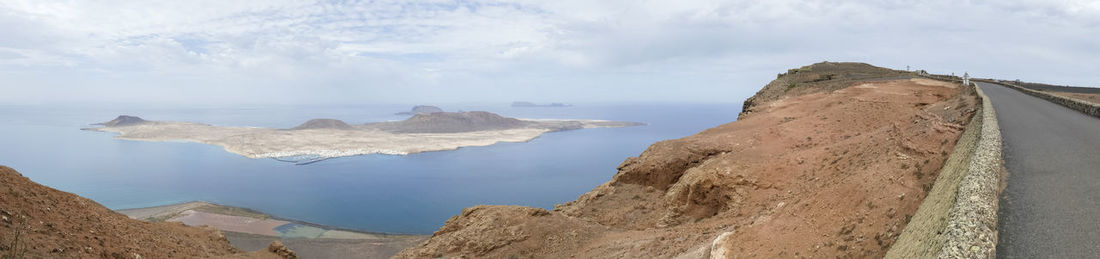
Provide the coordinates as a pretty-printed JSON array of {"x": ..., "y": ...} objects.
[{"x": 399, "y": 51}]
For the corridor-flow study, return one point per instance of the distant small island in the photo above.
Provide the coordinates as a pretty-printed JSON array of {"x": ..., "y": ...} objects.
[
  {"x": 530, "y": 104},
  {"x": 421, "y": 109},
  {"x": 320, "y": 139}
]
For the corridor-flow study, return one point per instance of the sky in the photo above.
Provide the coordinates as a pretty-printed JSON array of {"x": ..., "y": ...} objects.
[{"x": 347, "y": 52}]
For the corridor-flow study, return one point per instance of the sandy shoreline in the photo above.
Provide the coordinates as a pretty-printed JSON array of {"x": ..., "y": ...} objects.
[
  {"x": 250, "y": 230},
  {"x": 237, "y": 219}
]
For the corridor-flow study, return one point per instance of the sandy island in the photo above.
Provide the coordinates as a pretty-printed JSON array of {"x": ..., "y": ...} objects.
[{"x": 327, "y": 138}]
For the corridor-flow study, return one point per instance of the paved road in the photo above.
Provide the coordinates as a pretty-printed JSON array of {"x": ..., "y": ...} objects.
[{"x": 1051, "y": 205}]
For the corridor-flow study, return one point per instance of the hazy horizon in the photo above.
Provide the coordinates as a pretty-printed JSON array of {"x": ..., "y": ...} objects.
[{"x": 307, "y": 53}]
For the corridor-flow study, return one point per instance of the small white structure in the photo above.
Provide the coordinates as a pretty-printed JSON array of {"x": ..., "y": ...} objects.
[{"x": 966, "y": 78}]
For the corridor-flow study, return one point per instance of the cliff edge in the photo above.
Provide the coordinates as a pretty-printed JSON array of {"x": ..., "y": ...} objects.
[
  {"x": 41, "y": 222},
  {"x": 828, "y": 160}
]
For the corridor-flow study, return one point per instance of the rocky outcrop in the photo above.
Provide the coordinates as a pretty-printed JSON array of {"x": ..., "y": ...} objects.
[
  {"x": 323, "y": 124},
  {"x": 480, "y": 231},
  {"x": 421, "y": 109},
  {"x": 450, "y": 122},
  {"x": 40, "y": 222},
  {"x": 820, "y": 77},
  {"x": 123, "y": 120},
  {"x": 834, "y": 169},
  {"x": 281, "y": 250}
]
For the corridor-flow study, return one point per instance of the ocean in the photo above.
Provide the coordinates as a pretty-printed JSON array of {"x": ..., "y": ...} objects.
[{"x": 377, "y": 193}]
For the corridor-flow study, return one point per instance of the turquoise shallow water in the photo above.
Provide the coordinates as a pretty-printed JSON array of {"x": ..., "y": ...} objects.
[{"x": 379, "y": 193}]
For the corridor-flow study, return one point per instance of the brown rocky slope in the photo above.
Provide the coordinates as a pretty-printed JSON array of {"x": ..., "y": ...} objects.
[
  {"x": 40, "y": 222},
  {"x": 829, "y": 160}
]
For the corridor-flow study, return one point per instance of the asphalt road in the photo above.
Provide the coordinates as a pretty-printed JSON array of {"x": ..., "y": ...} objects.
[{"x": 1050, "y": 207}]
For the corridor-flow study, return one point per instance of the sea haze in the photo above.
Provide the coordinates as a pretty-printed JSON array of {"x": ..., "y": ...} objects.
[{"x": 378, "y": 193}]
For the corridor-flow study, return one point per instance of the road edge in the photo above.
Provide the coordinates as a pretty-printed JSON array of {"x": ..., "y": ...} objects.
[
  {"x": 1092, "y": 109},
  {"x": 972, "y": 227}
]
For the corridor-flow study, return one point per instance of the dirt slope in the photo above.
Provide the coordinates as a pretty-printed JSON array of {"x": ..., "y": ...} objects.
[
  {"x": 832, "y": 170},
  {"x": 40, "y": 222}
]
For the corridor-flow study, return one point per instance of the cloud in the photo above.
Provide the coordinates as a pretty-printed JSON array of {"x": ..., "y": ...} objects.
[{"x": 436, "y": 51}]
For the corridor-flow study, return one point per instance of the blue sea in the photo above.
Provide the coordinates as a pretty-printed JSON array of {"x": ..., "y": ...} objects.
[{"x": 376, "y": 193}]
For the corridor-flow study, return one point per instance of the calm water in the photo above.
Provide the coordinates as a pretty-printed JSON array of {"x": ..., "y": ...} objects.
[{"x": 381, "y": 193}]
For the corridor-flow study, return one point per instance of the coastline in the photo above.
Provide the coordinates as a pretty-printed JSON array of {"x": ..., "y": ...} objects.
[
  {"x": 174, "y": 211},
  {"x": 248, "y": 229}
]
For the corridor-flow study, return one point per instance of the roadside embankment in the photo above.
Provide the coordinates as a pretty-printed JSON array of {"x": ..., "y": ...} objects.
[
  {"x": 958, "y": 219},
  {"x": 1092, "y": 109}
]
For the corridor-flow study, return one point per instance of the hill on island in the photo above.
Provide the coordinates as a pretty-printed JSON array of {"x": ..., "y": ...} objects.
[
  {"x": 124, "y": 120},
  {"x": 323, "y": 124},
  {"x": 421, "y": 109},
  {"x": 450, "y": 122},
  {"x": 41, "y": 222}
]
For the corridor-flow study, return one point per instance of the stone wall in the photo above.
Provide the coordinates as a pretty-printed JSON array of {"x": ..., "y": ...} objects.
[
  {"x": 958, "y": 217},
  {"x": 1089, "y": 108}
]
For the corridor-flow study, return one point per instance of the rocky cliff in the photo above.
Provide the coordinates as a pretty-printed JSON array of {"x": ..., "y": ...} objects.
[
  {"x": 40, "y": 222},
  {"x": 828, "y": 160}
]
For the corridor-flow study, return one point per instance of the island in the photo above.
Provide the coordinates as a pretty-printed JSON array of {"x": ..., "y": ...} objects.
[
  {"x": 421, "y": 109},
  {"x": 530, "y": 104},
  {"x": 320, "y": 139}
]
